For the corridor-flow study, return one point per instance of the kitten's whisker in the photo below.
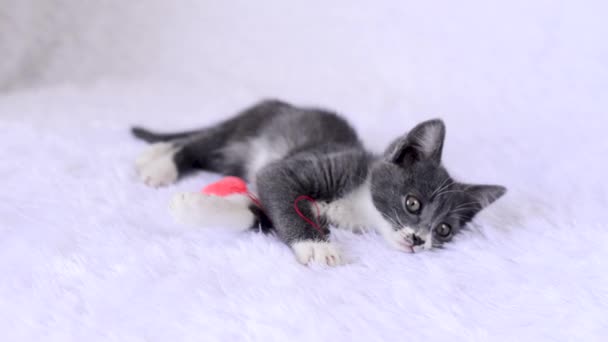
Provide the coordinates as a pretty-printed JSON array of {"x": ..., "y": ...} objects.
[
  {"x": 465, "y": 204},
  {"x": 464, "y": 209},
  {"x": 459, "y": 213},
  {"x": 398, "y": 218},
  {"x": 389, "y": 219},
  {"x": 462, "y": 217},
  {"x": 439, "y": 187},
  {"x": 449, "y": 191},
  {"x": 442, "y": 187}
]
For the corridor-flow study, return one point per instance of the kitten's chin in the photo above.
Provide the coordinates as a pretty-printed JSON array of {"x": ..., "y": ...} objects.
[
  {"x": 413, "y": 249},
  {"x": 418, "y": 249},
  {"x": 396, "y": 239}
]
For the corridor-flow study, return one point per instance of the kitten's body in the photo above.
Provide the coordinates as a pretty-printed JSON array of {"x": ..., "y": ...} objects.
[{"x": 286, "y": 152}]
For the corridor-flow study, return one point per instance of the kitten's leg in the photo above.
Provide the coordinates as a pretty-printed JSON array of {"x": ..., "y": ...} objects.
[
  {"x": 179, "y": 153},
  {"x": 163, "y": 163},
  {"x": 322, "y": 178}
]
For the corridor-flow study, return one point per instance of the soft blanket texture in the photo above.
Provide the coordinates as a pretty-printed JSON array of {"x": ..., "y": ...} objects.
[{"x": 87, "y": 253}]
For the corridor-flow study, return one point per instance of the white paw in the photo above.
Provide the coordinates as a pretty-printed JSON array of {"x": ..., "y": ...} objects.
[
  {"x": 153, "y": 151},
  {"x": 159, "y": 172},
  {"x": 155, "y": 165},
  {"x": 324, "y": 253},
  {"x": 203, "y": 210}
]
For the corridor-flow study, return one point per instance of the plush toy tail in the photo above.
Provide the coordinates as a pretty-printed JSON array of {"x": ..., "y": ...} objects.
[
  {"x": 233, "y": 187},
  {"x": 203, "y": 210},
  {"x": 226, "y": 203}
]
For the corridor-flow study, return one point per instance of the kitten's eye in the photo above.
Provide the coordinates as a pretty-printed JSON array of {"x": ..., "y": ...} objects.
[
  {"x": 444, "y": 230},
  {"x": 412, "y": 204}
]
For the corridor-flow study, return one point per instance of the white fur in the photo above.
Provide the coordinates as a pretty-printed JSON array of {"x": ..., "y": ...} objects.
[
  {"x": 202, "y": 210},
  {"x": 155, "y": 165},
  {"x": 401, "y": 239},
  {"x": 262, "y": 153},
  {"x": 356, "y": 211},
  {"x": 428, "y": 241},
  {"x": 152, "y": 152},
  {"x": 351, "y": 212},
  {"x": 324, "y": 253}
]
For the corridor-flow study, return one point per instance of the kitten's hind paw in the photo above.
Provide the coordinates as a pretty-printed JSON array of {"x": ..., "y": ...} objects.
[
  {"x": 156, "y": 166},
  {"x": 319, "y": 252}
]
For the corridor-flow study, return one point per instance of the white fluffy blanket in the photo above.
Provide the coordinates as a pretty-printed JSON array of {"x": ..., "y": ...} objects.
[{"x": 87, "y": 253}]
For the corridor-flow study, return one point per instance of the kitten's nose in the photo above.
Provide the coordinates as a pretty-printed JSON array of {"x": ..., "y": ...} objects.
[{"x": 417, "y": 241}]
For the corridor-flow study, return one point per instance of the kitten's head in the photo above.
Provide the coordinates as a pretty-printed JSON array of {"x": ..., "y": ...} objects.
[{"x": 423, "y": 205}]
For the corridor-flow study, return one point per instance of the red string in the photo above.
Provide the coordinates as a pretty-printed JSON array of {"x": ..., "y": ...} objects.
[
  {"x": 309, "y": 221},
  {"x": 255, "y": 200},
  {"x": 297, "y": 209}
]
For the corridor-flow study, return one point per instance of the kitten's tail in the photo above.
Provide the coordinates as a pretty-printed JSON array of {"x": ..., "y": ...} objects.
[{"x": 153, "y": 137}]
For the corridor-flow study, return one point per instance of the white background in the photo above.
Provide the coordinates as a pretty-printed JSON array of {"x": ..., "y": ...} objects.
[{"x": 88, "y": 253}]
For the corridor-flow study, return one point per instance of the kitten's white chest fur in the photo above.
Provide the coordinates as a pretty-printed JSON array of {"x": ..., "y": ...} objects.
[{"x": 355, "y": 211}]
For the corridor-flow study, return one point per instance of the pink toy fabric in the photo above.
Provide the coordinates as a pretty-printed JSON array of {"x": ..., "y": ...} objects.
[{"x": 226, "y": 186}]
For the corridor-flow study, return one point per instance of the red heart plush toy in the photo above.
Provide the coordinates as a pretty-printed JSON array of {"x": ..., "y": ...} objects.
[{"x": 226, "y": 186}]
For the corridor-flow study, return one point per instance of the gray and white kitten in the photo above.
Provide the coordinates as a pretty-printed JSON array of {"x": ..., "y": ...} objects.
[{"x": 286, "y": 151}]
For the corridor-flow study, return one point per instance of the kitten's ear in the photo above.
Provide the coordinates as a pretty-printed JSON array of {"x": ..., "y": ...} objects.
[
  {"x": 423, "y": 142},
  {"x": 485, "y": 194}
]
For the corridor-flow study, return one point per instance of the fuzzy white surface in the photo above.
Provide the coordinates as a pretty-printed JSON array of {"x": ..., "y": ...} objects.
[{"x": 89, "y": 253}]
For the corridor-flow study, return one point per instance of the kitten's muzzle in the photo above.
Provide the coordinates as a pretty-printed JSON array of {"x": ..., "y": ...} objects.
[{"x": 416, "y": 240}]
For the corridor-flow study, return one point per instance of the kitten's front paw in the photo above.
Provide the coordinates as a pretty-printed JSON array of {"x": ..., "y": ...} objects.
[
  {"x": 324, "y": 253},
  {"x": 156, "y": 167}
]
